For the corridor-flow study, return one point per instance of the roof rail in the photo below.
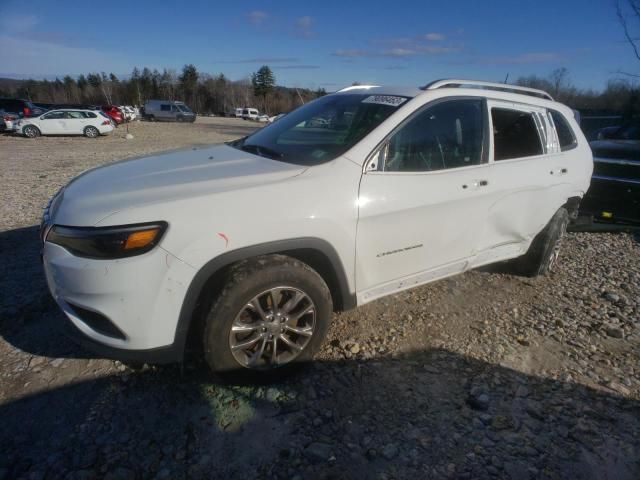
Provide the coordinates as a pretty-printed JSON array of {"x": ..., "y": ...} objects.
[
  {"x": 357, "y": 87},
  {"x": 501, "y": 87}
]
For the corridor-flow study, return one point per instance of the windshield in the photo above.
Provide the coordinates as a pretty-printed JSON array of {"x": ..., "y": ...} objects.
[
  {"x": 183, "y": 108},
  {"x": 321, "y": 130}
]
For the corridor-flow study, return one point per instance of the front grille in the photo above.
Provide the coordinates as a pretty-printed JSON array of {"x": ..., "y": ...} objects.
[{"x": 98, "y": 322}]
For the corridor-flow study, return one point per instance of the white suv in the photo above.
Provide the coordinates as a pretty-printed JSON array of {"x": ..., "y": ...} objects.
[{"x": 247, "y": 248}]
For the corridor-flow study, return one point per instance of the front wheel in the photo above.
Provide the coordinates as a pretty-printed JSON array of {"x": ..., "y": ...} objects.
[
  {"x": 543, "y": 253},
  {"x": 273, "y": 313},
  {"x": 91, "y": 132},
  {"x": 31, "y": 131}
]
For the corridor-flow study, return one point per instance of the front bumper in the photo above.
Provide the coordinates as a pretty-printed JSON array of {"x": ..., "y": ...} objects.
[{"x": 138, "y": 299}]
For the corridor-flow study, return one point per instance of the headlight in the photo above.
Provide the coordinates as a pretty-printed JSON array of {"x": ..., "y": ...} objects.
[{"x": 108, "y": 242}]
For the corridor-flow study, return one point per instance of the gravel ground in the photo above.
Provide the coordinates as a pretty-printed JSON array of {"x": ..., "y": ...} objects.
[{"x": 485, "y": 375}]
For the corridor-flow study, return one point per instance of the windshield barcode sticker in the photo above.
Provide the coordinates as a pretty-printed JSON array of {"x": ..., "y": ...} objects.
[{"x": 385, "y": 100}]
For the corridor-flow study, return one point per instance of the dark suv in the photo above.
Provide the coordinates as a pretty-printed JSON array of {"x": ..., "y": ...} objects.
[
  {"x": 614, "y": 195},
  {"x": 23, "y": 108}
]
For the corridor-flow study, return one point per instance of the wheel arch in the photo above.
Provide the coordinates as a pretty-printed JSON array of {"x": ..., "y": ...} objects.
[
  {"x": 317, "y": 253},
  {"x": 572, "y": 206}
]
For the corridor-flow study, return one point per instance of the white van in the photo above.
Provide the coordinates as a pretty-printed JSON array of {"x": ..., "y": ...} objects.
[
  {"x": 250, "y": 113},
  {"x": 238, "y": 113}
]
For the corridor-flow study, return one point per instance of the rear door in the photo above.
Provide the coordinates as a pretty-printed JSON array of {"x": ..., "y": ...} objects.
[
  {"x": 524, "y": 174},
  {"x": 75, "y": 122},
  {"x": 422, "y": 205},
  {"x": 53, "y": 123}
]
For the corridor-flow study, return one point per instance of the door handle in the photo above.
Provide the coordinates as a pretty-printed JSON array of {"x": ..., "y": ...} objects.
[
  {"x": 559, "y": 171},
  {"x": 477, "y": 184}
]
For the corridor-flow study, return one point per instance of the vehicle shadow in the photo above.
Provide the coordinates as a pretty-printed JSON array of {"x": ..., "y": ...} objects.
[
  {"x": 29, "y": 318},
  {"x": 427, "y": 414}
]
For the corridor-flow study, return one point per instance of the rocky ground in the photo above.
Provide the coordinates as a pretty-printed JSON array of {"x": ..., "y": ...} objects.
[{"x": 484, "y": 375}]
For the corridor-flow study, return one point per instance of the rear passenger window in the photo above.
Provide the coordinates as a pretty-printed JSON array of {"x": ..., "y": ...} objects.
[
  {"x": 90, "y": 115},
  {"x": 565, "y": 134},
  {"x": 446, "y": 135},
  {"x": 515, "y": 134}
]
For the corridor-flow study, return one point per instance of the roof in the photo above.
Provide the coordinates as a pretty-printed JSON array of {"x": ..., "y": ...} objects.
[{"x": 501, "y": 90}]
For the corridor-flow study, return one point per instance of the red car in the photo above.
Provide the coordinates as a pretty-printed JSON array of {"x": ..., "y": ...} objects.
[{"x": 114, "y": 113}]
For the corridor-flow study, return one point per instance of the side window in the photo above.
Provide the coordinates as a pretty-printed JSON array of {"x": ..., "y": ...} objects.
[
  {"x": 565, "y": 135},
  {"x": 54, "y": 116},
  {"x": 90, "y": 115},
  {"x": 446, "y": 135},
  {"x": 515, "y": 134},
  {"x": 75, "y": 115},
  {"x": 165, "y": 108}
]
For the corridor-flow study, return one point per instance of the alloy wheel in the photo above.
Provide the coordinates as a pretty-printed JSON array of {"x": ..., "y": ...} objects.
[{"x": 273, "y": 328}]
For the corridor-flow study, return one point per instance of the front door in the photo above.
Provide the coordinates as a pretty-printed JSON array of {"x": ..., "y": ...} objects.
[
  {"x": 422, "y": 207},
  {"x": 53, "y": 123}
]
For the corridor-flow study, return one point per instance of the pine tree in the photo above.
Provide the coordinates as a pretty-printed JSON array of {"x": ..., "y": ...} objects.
[{"x": 263, "y": 82}]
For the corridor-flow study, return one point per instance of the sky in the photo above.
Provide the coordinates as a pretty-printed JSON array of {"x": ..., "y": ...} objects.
[{"x": 325, "y": 44}]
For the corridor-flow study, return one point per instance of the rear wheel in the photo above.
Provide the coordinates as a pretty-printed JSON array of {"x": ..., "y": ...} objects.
[
  {"x": 272, "y": 313},
  {"x": 151, "y": 118},
  {"x": 543, "y": 253},
  {"x": 31, "y": 131},
  {"x": 91, "y": 132}
]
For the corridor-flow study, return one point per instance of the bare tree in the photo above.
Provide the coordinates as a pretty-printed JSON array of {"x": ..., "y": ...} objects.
[{"x": 628, "y": 12}]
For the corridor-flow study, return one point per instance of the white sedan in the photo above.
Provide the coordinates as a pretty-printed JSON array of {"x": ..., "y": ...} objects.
[{"x": 89, "y": 123}]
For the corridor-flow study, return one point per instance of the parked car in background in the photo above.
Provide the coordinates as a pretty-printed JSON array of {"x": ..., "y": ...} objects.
[
  {"x": 263, "y": 118},
  {"x": 250, "y": 113},
  {"x": 168, "y": 110},
  {"x": 89, "y": 123},
  {"x": 114, "y": 114},
  {"x": 8, "y": 121},
  {"x": 614, "y": 195},
  {"x": 127, "y": 112},
  {"x": 238, "y": 113},
  {"x": 424, "y": 183},
  {"x": 276, "y": 117},
  {"x": 22, "y": 108}
]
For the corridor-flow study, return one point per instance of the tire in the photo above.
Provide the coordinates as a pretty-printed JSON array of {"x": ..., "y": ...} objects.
[
  {"x": 299, "y": 292},
  {"x": 179, "y": 118},
  {"x": 31, "y": 131},
  {"x": 543, "y": 253},
  {"x": 91, "y": 132},
  {"x": 151, "y": 118}
]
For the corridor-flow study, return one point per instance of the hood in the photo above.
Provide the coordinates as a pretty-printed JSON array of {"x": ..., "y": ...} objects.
[
  {"x": 616, "y": 149},
  {"x": 100, "y": 192}
]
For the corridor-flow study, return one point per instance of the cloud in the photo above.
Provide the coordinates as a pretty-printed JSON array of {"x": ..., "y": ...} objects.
[
  {"x": 304, "y": 27},
  {"x": 33, "y": 57},
  {"x": 296, "y": 67},
  {"x": 257, "y": 17},
  {"x": 523, "y": 58},
  {"x": 18, "y": 23},
  {"x": 262, "y": 60},
  {"x": 413, "y": 50},
  {"x": 434, "y": 37},
  {"x": 350, "y": 53},
  {"x": 399, "y": 52}
]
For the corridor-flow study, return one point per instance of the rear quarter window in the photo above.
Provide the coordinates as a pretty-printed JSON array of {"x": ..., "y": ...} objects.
[{"x": 566, "y": 137}]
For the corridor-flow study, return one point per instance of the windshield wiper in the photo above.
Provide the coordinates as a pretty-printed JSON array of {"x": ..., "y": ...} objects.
[{"x": 262, "y": 151}]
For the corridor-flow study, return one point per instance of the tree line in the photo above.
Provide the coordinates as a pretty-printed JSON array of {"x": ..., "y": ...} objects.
[
  {"x": 203, "y": 92},
  {"x": 206, "y": 93}
]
